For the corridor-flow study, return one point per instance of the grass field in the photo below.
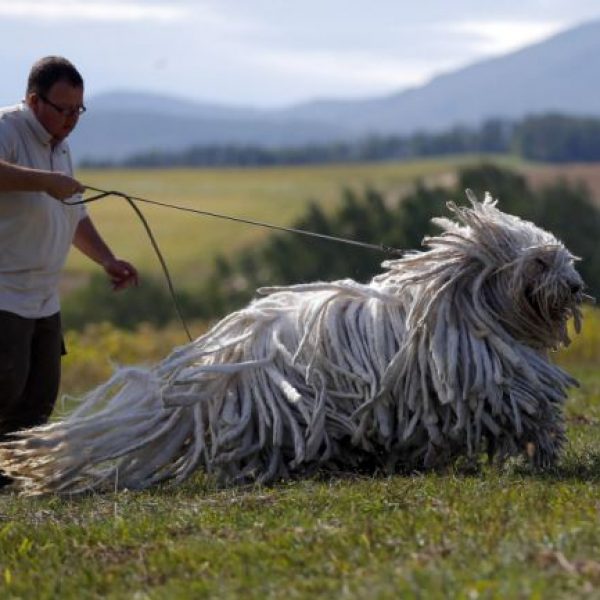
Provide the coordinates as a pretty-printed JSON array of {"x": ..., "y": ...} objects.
[
  {"x": 463, "y": 533},
  {"x": 490, "y": 533},
  {"x": 276, "y": 195}
]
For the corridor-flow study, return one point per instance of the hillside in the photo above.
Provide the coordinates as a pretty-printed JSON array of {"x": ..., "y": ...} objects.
[{"x": 560, "y": 74}]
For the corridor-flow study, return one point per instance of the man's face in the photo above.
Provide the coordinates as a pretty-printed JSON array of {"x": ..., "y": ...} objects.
[{"x": 58, "y": 109}]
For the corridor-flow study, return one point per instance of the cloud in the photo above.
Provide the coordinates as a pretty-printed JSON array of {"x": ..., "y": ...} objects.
[
  {"x": 78, "y": 10},
  {"x": 344, "y": 71},
  {"x": 358, "y": 70},
  {"x": 499, "y": 37}
]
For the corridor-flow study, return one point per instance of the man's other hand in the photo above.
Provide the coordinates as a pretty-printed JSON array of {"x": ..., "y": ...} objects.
[{"x": 121, "y": 273}]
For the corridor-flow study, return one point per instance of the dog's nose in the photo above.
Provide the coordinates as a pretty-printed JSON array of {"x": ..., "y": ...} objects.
[{"x": 575, "y": 288}]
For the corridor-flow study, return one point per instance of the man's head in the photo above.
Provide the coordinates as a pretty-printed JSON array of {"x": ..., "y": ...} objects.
[{"x": 55, "y": 95}]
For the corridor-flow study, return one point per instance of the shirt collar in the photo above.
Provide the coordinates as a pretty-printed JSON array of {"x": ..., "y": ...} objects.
[{"x": 39, "y": 131}]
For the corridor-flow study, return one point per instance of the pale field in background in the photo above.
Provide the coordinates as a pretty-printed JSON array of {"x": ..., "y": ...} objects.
[
  {"x": 540, "y": 175},
  {"x": 274, "y": 195}
]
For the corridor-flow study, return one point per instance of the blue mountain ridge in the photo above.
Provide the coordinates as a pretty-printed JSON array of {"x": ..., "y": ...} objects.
[{"x": 559, "y": 74}]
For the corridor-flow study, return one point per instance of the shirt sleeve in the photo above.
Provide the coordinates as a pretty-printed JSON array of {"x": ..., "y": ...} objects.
[{"x": 7, "y": 141}]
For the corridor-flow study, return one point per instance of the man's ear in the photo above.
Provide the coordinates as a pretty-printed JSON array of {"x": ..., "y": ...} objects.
[{"x": 32, "y": 100}]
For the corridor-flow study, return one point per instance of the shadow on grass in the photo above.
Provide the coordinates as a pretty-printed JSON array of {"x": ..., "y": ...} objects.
[{"x": 572, "y": 468}]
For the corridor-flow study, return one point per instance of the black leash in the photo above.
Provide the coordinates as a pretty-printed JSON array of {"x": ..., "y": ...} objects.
[
  {"x": 131, "y": 200},
  {"x": 378, "y": 247}
]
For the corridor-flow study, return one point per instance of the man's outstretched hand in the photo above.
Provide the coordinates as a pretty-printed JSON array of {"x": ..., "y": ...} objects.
[{"x": 121, "y": 273}]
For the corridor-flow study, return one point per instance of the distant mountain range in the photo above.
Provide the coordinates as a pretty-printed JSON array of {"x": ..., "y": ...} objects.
[{"x": 560, "y": 74}]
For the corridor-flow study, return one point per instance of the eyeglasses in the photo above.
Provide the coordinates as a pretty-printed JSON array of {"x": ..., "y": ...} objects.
[{"x": 65, "y": 112}]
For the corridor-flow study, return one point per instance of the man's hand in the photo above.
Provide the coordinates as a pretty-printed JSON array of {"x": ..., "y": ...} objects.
[
  {"x": 61, "y": 186},
  {"x": 122, "y": 274},
  {"x": 14, "y": 178}
]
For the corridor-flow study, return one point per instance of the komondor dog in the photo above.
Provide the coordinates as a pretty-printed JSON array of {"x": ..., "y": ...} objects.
[{"x": 443, "y": 355}]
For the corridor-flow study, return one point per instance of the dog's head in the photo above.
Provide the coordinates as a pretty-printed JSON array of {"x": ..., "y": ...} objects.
[
  {"x": 552, "y": 289},
  {"x": 506, "y": 270},
  {"x": 530, "y": 278}
]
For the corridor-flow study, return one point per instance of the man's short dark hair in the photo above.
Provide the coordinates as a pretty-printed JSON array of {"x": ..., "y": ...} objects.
[{"x": 49, "y": 70}]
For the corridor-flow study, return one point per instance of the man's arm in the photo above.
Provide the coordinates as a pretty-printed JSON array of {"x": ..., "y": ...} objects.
[
  {"x": 87, "y": 239},
  {"x": 14, "y": 178}
]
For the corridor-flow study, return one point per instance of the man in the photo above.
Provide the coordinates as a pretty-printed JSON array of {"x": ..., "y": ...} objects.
[{"x": 36, "y": 232}]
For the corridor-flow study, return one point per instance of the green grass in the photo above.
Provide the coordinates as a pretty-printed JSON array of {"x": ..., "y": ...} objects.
[
  {"x": 275, "y": 195},
  {"x": 490, "y": 534}
]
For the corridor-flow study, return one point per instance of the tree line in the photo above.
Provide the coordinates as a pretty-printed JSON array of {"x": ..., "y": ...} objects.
[
  {"x": 550, "y": 138},
  {"x": 566, "y": 210}
]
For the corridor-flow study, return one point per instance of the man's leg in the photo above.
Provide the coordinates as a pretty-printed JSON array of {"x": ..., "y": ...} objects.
[
  {"x": 40, "y": 392},
  {"x": 16, "y": 335}
]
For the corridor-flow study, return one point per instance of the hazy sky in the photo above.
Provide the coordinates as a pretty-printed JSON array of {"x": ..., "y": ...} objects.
[{"x": 269, "y": 52}]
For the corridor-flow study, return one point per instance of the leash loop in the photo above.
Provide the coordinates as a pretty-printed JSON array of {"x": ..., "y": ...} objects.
[{"x": 154, "y": 243}]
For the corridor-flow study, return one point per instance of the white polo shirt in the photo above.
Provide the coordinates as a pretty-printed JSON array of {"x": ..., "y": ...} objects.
[{"x": 36, "y": 230}]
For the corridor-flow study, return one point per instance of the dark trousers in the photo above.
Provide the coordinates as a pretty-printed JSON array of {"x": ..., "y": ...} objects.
[{"x": 30, "y": 353}]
